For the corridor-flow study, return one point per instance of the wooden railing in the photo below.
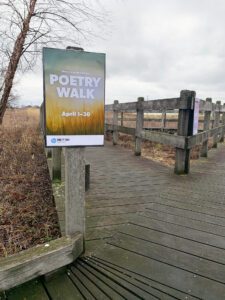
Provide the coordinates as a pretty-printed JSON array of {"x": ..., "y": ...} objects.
[{"x": 183, "y": 140}]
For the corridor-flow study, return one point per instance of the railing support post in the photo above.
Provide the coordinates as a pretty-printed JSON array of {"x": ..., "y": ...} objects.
[
  {"x": 74, "y": 191},
  {"x": 223, "y": 123},
  {"x": 216, "y": 122},
  {"x": 139, "y": 125},
  {"x": 56, "y": 163},
  {"x": 121, "y": 115},
  {"x": 163, "y": 123},
  {"x": 115, "y": 122},
  {"x": 185, "y": 128},
  {"x": 207, "y": 115}
]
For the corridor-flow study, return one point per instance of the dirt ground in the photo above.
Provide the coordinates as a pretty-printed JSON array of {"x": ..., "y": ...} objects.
[{"x": 27, "y": 213}]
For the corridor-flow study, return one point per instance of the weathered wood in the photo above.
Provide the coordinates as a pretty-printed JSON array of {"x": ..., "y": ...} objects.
[
  {"x": 109, "y": 107},
  {"x": 115, "y": 123},
  {"x": 166, "y": 104},
  {"x": 126, "y": 130},
  {"x": 122, "y": 118},
  {"x": 203, "y": 136},
  {"x": 163, "y": 120},
  {"x": 223, "y": 123},
  {"x": 31, "y": 290},
  {"x": 139, "y": 125},
  {"x": 39, "y": 260},
  {"x": 207, "y": 114},
  {"x": 48, "y": 152},
  {"x": 185, "y": 128},
  {"x": 127, "y": 107},
  {"x": 216, "y": 122},
  {"x": 123, "y": 287},
  {"x": 60, "y": 287},
  {"x": 164, "y": 138},
  {"x": 41, "y": 119},
  {"x": 87, "y": 176},
  {"x": 74, "y": 191},
  {"x": 56, "y": 163},
  {"x": 205, "y": 106}
]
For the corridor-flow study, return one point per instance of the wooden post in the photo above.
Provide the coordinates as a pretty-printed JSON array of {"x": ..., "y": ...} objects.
[
  {"x": 121, "y": 118},
  {"x": 207, "y": 115},
  {"x": 163, "y": 123},
  {"x": 56, "y": 163},
  {"x": 74, "y": 191},
  {"x": 216, "y": 122},
  {"x": 41, "y": 118},
  {"x": 115, "y": 122},
  {"x": 87, "y": 176},
  {"x": 223, "y": 123},
  {"x": 185, "y": 128},
  {"x": 139, "y": 125}
]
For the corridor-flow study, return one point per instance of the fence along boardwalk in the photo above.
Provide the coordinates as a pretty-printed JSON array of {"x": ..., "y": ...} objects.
[{"x": 150, "y": 234}]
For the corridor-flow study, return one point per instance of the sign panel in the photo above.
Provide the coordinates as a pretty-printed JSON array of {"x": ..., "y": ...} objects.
[
  {"x": 74, "y": 97},
  {"x": 196, "y": 115}
]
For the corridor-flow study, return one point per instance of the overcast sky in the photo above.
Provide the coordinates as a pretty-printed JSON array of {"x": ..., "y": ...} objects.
[{"x": 154, "y": 49}]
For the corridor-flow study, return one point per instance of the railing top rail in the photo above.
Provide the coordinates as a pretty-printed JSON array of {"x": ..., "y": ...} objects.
[{"x": 165, "y": 104}]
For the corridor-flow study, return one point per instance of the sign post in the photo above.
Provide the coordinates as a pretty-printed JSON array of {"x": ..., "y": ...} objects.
[{"x": 74, "y": 93}]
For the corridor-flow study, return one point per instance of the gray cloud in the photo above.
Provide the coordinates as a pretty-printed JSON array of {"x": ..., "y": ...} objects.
[{"x": 155, "y": 48}]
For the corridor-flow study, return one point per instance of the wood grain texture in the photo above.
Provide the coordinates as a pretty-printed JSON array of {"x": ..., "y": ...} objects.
[{"x": 39, "y": 260}]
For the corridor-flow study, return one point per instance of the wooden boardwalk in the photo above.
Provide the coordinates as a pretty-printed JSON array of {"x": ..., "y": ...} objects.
[{"x": 150, "y": 234}]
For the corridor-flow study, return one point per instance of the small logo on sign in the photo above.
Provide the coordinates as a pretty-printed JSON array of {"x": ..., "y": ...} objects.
[{"x": 53, "y": 140}]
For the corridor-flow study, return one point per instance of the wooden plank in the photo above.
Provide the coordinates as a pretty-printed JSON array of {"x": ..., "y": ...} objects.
[
  {"x": 171, "y": 256},
  {"x": 61, "y": 287},
  {"x": 123, "y": 129},
  {"x": 107, "y": 285},
  {"x": 39, "y": 260},
  {"x": 94, "y": 290},
  {"x": 163, "y": 104},
  {"x": 86, "y": 294},
  {"x": 163, "y": 138},
  {"x": 180, "y": 231},
  {"x": 175, "y": 242},
  {"x": 125, "y": 287},
  {"x": 116, "y": 210},
  {"x": 31, "y": 290},
  {"x": 127, "y": 107},
  {"x": 203, "y": 136},
  {"x": 184, "y": 221},
  {"x": 176, "y": 278},
  {"x": 176, "y": 207},
  {"x": 165, "y": 292},
  {"x": 109, "y": 107}
]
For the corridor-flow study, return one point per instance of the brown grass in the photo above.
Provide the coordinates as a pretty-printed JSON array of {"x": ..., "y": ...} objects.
[
  {"x": 27, "y": 213},
  {"x": 162, "y": 154}
]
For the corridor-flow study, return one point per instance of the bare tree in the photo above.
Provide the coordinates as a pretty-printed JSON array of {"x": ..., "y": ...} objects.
[{"x": 28, "y": 25}]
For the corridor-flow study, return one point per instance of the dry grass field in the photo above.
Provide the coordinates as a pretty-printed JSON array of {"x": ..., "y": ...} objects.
[
  {"x": 163, "y": 154},
  {"x": 27, "y": 212}
]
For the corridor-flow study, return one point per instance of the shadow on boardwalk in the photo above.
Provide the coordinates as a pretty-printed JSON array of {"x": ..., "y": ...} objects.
[{"x": 150, "y": 234}]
